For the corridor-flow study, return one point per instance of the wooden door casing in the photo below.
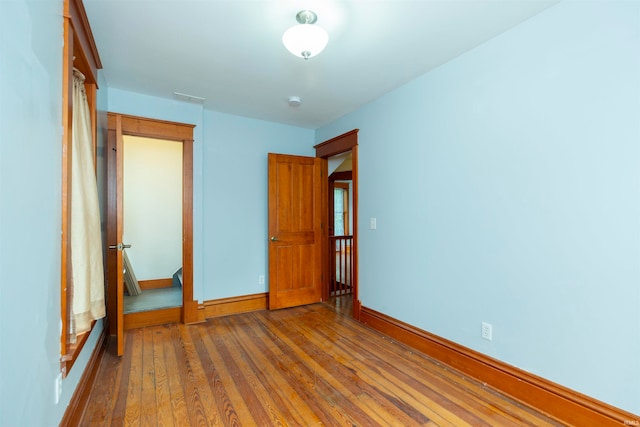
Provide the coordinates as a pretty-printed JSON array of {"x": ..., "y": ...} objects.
[
  {"x": 115, "y": 284},
  {"x": 295, "y": 237},
  {"x": 119, "y": 125},
  {"x": 341, "y": 144}
]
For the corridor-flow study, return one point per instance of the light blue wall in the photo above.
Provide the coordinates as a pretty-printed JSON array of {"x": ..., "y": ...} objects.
[
  {"x": 506, "y": 187},
  {"x": 505, "y": 184},
  {"x": 30, "y": 215},
  {"x": 235, "y": 183}
]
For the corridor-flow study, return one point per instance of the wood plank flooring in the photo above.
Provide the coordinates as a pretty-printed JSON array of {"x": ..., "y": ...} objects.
[{"x": 296, "y": 367}]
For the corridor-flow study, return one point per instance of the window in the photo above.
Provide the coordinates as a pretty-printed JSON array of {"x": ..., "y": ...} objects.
[
  {"x": 341, "y": 209},
  {"x": 79, "y": 52}
]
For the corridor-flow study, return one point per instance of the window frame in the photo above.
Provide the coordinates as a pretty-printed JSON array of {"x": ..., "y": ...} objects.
[
  {"x": 79, "y": 51},
  {"x": 344, "y": 187}
]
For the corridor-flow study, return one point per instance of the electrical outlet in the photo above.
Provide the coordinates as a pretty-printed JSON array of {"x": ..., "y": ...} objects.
[
  {"x": 261, "y": 279},
  {"x": 487, "y": 331},
  {"x": 58, "y": 388}
]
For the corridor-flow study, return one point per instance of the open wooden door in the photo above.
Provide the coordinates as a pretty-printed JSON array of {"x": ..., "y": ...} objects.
[
  {"x": 115, "y": 281},
  {"x": 295, "y": 233}
]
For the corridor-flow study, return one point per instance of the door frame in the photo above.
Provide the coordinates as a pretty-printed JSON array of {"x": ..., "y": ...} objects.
[
  {"x": 341, "y": 144},
  {"x": 157, "y": 129}
]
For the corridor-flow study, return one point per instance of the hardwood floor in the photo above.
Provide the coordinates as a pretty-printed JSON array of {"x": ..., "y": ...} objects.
[
  {"x": 342, "y": 304},
  {"x": 304, "y": 366}
]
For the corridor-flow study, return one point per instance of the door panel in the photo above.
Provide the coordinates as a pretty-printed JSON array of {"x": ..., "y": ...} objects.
[
  {"x": 295, "y": 273},
  {"x": 115, "y": 279},
  {"x": 120, "y": 231}
]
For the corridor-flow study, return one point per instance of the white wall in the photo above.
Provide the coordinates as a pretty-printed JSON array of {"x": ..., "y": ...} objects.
[
  {"x": 506, "y": 187},
  {"x": 153, "y": 206},
  {"x": 30, "y": 215}
]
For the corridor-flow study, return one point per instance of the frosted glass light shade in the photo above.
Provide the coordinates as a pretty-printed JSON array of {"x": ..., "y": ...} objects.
[{"x": 305, "y": 40}]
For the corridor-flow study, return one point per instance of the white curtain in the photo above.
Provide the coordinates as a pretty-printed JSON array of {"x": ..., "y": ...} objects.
[{"x": 87, "y": 270}]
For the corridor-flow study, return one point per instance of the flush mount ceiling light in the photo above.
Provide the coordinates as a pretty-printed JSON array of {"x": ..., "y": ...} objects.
[{"x": 305, "y": 40}]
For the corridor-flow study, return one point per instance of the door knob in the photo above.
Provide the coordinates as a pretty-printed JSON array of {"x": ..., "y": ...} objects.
[
  {"x": 274, "y": 239},
  {"x": 119, "y": 246}
]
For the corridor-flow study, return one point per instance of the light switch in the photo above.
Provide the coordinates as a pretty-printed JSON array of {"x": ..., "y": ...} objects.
[{"x": 373, "y": 224}]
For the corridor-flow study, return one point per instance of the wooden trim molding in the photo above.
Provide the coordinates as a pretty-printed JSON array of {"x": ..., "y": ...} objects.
[
  {"x": 235, "y": 305},
  {"x": 68, "y": 359},
  {"x": 65, "y": 226},
  {"x": 206, "y": 310},
  {"x": 559, "y": 402},
  {"x": 74, "y": 412},
  {"x": 355, "y": 254},
  {"x": 189, "y": 305},
  {"x": 155, "y": 284},
  {"x": 337, "y": 145},
  {"x": 152, "y": 318},
  {"x": 87, "y": 54},
  {"x": 152, "y": 128},
  {"x": 341, "y": 176}
]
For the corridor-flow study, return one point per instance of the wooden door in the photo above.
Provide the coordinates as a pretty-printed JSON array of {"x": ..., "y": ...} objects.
[
  {"x": 115, "y": 278},
  {"x": 295, "y": 244}
]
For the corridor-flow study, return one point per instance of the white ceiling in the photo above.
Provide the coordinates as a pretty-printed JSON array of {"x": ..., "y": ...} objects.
[{"x": 230, "y": 51}]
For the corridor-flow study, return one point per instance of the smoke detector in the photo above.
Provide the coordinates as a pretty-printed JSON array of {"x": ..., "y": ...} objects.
[{"x": 295, "y": 101}]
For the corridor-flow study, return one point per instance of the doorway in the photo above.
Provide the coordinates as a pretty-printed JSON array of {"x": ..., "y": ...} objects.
[
  {"x": 152, "y": 223},
  {"x": 120, "y": 127},
  {"x": 341, "y": 249},
  {"x": 340, "y": 212}
]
